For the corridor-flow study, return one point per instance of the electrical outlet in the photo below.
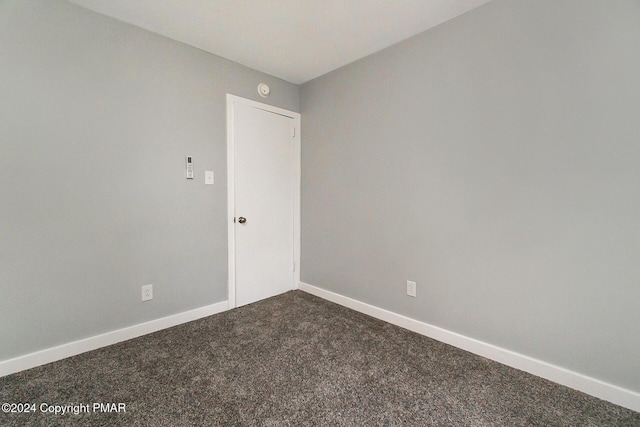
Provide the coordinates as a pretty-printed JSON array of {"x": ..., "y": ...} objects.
[
  {"x": 147, "y": 292},
  {"x": 411, "y": 288}
]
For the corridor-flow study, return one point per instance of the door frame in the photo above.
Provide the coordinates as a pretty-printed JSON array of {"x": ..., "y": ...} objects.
[{"x": 232, "y": 100}]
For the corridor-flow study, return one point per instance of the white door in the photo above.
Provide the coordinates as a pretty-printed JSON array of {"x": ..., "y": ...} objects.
[{"x": 265, "y": 178}]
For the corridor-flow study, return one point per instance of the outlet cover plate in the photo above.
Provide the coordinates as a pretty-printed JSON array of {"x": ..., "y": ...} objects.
[
  {"x": 147, "y": 292},
  {"x": 411, "y": 288}
]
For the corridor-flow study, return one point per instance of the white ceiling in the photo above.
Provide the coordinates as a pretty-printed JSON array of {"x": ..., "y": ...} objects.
[{"x": 296, "y": 40}]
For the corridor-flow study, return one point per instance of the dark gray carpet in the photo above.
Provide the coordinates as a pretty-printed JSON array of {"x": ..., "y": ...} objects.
[{"x": 298, "y": 360}]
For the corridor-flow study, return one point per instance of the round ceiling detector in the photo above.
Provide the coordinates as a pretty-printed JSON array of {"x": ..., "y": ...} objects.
[{"x": 263, "y": 90}]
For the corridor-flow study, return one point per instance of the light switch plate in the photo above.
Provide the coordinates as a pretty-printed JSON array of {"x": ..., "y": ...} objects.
[{"x": 208, "y": 177}]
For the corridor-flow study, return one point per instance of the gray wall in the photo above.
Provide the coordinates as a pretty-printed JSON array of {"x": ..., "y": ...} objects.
[
  {"x": 494, "y": 160},
  {"x": 96, "y": 117}
]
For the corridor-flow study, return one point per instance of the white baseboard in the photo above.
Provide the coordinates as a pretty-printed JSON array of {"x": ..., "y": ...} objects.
[
  {"x": 609, "y": 392},
  {"x": 63, "y": 351}
]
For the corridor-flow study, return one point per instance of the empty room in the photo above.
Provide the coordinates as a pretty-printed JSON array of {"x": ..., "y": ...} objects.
[{"x": 320, "y": 212}]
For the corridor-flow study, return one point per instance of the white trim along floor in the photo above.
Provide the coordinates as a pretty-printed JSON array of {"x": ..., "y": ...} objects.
[{"x": 602, "y": 390}]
